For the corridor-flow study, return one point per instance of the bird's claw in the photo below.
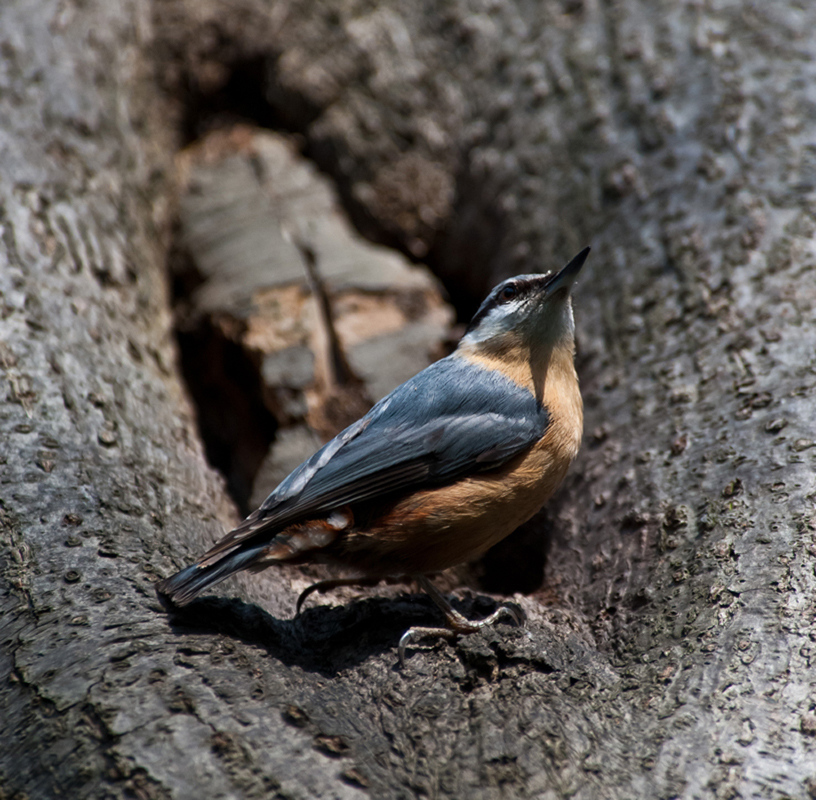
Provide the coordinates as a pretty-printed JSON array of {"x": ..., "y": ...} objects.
[{"x": 458, "y": 624}]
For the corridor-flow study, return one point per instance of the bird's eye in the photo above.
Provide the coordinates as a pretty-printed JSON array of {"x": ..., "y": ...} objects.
[{"x": 508, "y": 293}]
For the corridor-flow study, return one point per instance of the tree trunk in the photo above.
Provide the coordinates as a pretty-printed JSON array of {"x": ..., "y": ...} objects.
[{"x": 669, "y": 651}]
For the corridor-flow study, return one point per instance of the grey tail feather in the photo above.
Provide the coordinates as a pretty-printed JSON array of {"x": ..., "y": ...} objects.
[{"x": 187, "y": 584}]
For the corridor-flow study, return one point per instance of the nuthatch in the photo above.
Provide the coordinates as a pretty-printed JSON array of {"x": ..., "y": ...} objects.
[{"x": 438, "y": 471}]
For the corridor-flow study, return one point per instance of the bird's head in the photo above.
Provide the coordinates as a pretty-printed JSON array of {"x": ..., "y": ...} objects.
[{"x": 528, "y": 313}]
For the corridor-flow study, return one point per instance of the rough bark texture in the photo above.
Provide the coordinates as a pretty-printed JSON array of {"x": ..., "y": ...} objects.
[{"x": 670, "y": 651}]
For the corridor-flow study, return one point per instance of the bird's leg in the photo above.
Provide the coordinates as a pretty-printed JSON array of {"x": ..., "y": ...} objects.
[
  {"x": 327, "y": 586},
  {"x": 457, "y": 623}
]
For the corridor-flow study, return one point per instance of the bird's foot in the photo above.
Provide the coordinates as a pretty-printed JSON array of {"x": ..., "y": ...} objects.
[{"x": 457, "y": 623}]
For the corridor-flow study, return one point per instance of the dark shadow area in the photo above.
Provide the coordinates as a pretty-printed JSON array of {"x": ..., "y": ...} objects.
[
  {"x": 242, "y": 97},
  {"x": 236, "y": 427},
  {"x": 517, "y": 563},
  {"x": 184, "y": 275},
  {"x": 323, "y": 639},
  {"x": 475, "y": 235}
]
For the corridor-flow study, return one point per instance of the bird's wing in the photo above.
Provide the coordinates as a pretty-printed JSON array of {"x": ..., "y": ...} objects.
[{"x": 451, "y": 420}]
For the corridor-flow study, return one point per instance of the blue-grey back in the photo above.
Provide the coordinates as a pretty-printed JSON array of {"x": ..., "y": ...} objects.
[{"x": 451, "y": 419}]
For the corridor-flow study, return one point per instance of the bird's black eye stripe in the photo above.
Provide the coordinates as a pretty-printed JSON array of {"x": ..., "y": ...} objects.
[
  {"x": 508, "y": 293},
  {"x": 502, "y": 295}
]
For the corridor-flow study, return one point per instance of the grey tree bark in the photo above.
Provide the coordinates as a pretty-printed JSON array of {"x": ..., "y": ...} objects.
[{"x": 669, "y": 652}]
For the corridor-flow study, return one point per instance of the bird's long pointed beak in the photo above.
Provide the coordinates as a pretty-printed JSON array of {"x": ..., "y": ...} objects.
[{"x": 566, "y": 277}]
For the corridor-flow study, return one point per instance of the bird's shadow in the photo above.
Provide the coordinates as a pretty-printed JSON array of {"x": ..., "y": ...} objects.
[{"x": 323, "y": 639}]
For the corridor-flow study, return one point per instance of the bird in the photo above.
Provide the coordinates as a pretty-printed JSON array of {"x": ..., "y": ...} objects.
[{"x": 445, "y": 466}]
